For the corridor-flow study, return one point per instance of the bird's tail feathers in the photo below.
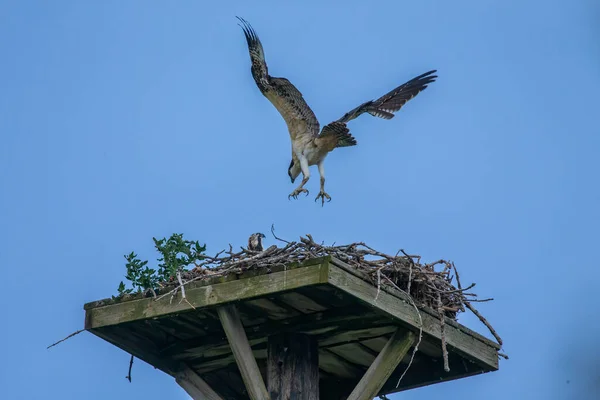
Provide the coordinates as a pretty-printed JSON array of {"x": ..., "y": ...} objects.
[
  {"x": 338, "y": 134},
  {"x": 345, "y": 140}
]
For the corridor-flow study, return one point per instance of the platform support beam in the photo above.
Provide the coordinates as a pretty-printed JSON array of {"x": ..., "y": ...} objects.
[
  {"x": 242, "y": 352},
  {"x": 386, "y": 362},
  {"x": 293, "y": 367},
  {"x": 195, "y": 386}
]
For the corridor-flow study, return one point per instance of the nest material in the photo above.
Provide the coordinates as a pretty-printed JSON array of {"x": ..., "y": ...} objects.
[{"x": 429, "y": 285}]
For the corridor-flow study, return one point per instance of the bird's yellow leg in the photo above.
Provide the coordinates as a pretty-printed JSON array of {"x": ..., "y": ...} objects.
[
  {"x": 322, "y": 195},
  {"x": 305, "y": 178}
]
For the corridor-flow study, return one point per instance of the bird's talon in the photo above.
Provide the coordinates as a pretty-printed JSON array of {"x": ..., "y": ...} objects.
[
  {"x": 296, "y": 192},
  {"x": 322, "y": 195}
]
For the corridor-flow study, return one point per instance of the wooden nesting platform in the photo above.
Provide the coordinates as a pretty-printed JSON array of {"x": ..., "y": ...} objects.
[{"x": 331, "y": 303}]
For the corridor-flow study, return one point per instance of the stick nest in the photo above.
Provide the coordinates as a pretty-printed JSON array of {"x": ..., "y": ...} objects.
[{"x": 428, "y": 285}]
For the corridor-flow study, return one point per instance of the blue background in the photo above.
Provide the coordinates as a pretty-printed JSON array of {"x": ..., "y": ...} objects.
[{"x": 120, "y": 121}]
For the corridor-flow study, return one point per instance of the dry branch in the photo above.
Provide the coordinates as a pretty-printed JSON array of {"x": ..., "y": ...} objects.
[
  {"x": 128, "y": 377},
  {"x": 68, "y": 337}
]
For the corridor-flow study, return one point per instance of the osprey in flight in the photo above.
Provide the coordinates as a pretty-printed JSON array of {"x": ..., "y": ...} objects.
[{"x": 309, "y": 147}]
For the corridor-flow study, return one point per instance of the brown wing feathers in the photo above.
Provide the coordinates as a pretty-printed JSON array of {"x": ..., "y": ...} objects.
[
  {"x": 386, "y": 105},
  {"x": 260, "y": 72},
  {"x": 288, "y": 100}
]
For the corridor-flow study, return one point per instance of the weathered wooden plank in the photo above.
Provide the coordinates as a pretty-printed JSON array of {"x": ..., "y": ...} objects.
[
  {"x": 228, "y": 360},
  {"x": 195, "y": 386},
  {"x": 383, "y": 366},
  {"x": 375, "y": 344},
  {"x": 227, "y": 382},
  {"x": 185, "y": 329},
  {"x": 209, "y": 357},
  {"x": 301, "y": 302},
  {"x": 232, "y": 325},
  {"x": 173, "y": 331},
  {"x": 354, "y": 353},
  {"x": 404, "y": 296},
  {"x": 326, "y": 323},
  {"x": 327, "y": 295},
  {"x": 355, "y": 335},
  {"x": 121, "y": 338},
  {"x": 337, "y": 366},
  {"x": 215, "y": 280},
  {"x": 250, "y": 316},
  {"x": 431, "y": 349},
  {"x": 293, "y": 367},
  {"x": 426, "y": 371},
  {"x": 204, "y": 296},
  {"x": 212, "y": 351},
  {"x": 231, "y": 378},
  {"x": 466, "y": 345},
  {"x": 271, "y": 309}
]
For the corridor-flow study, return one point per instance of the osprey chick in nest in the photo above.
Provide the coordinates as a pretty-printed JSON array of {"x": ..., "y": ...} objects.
[
  {"x": 255, "y": 241},
  {"x": 309, "y": 147}
]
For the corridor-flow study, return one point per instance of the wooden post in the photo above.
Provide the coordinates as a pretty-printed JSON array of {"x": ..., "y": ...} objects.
[
  {"x": 195, "y": 386},
  {"x": 383, "y": 366},
  {"x": 293, "y": 367},
  {"x": 242, "y": 352}
]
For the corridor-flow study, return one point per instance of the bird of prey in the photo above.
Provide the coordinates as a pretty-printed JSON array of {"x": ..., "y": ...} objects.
[
  {"x": 255, "y": 242},
  {"x": 309, "y": 146}
]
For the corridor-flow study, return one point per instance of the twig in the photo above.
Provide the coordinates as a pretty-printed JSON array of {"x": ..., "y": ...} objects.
[
  {"x": 457, "y": 277},
  {"x": 480, "y": 300},
  {"x": 275, "y": 236},
  {"x": 378, "y": 284},
  {"x": 416, "y": 348},
  {"x": 410, "y": 268},
  {"x": 128, "y": 377},
  {"x": 484, "y": 321},
  {"x": 181, "y": 284},
  {"x": 68, "y": 337},
  {"x": 443, "y": 333}
]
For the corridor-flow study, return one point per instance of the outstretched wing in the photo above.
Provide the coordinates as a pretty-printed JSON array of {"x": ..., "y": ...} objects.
[
  {"x": 388, "y": 104},
  {"x": 286, "y": 98}
]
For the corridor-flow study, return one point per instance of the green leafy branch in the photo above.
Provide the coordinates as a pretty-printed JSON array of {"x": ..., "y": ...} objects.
[{"x": 176, "y": 255}]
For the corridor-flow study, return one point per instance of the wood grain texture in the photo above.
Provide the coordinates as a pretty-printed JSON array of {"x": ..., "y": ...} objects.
[
  {"x": 204, "y": 296},
  {"x": 293, "y": 367},
  {"x": 383, "y": 366},
  {"x": 232, "y": 325},
  {"x": 195, "y": 386}
]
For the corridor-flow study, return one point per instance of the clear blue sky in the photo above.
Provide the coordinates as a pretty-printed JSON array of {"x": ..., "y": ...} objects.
[{"x": 123, "y": 120}]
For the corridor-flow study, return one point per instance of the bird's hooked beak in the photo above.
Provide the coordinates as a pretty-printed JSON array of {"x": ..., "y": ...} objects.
[{"x": 262, "y": 235}]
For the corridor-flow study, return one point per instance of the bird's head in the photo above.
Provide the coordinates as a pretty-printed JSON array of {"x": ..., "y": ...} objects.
[
  {"x": 255, "y": 241},
  {"x": 293, "y": 171}
]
